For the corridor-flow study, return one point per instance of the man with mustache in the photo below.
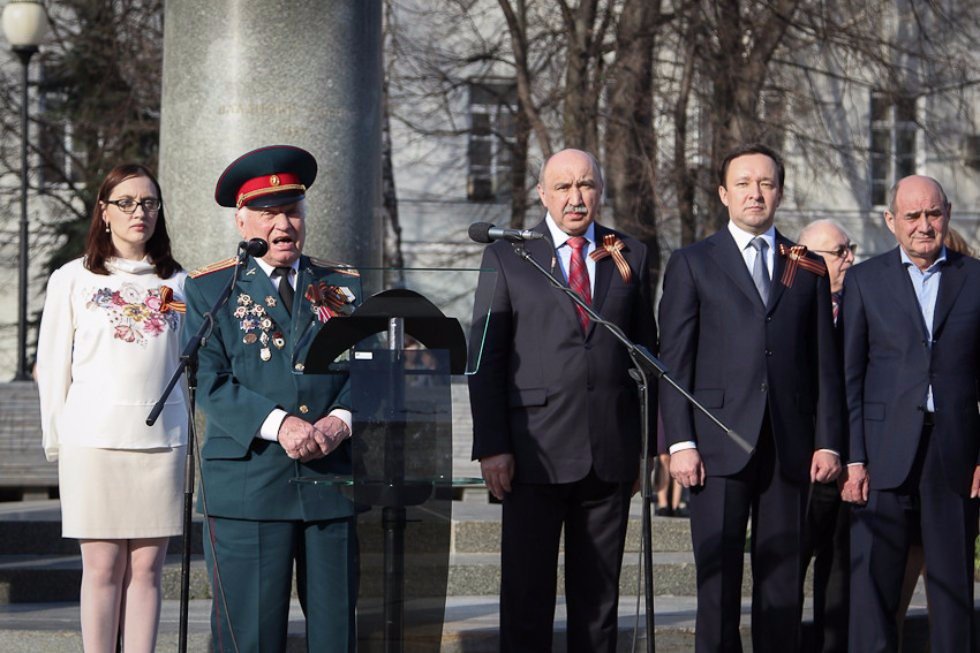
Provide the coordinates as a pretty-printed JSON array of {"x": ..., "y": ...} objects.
[
  {"x": 746, "y": 324},
  {"x": 556, "y": 420}
]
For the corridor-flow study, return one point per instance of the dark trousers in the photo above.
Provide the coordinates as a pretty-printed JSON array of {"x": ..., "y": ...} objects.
[
  {"x": 720, "y": 510},
  {"x": 880, "y": 536},
  {"x": 594, "y": 514},
  {"x": 828, "y": 542},
  {"x": 252, "y": 581}
]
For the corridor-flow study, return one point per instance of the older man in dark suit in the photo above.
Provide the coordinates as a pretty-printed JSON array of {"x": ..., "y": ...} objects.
[
  {"x": 829, "y": 523},
  {"x": 912, "y": 368},
  {"x": 746, "y": 323},
  {"x": 556, "y": 419}
]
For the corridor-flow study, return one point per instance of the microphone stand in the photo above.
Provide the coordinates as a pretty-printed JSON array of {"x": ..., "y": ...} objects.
[
  {"x": 188, "y": 362},
  {"x": 643, "y": 362}
]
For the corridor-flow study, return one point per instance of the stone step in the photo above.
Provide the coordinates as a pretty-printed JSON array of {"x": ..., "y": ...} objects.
[
  {"x": 44, "y": 538},
  {"x": 471, "y": 626},
  {"x": 37, "y": 564},
  {"x": 476, "y": 529},
  {"x": 51, "y": 578},
  {"x": 34, "y": 527}
]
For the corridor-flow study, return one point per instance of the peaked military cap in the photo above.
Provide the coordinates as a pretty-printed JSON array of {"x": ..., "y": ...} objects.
[{"x": 268, "y": 176}]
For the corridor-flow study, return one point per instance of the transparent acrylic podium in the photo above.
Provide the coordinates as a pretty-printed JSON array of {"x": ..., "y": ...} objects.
[{"x": 400, "y": 349}]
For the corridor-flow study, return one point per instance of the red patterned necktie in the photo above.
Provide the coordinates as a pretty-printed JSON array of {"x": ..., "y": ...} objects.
[{"x": 578, "y": 278}]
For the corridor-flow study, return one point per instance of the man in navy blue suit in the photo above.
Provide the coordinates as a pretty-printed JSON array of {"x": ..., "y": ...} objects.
[
  {"x": 746, "y": 323},
  {"x": 912, "y": 374}
]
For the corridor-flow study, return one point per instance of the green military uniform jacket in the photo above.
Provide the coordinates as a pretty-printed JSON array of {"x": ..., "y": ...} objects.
[{"x": 247, "y": 369}]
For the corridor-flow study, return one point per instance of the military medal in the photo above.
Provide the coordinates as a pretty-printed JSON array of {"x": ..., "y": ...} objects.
[
  {"x": 252, "y": 317},
  {"x": 270, "y": 301},
  {"x": 328, "y": 301}
]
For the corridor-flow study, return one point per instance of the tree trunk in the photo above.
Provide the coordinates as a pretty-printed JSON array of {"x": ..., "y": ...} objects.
[{"x": 631, "y": 160}]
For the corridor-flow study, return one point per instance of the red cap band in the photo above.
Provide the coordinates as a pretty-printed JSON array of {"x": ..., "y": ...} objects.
[{"x": 267, "y": 185}]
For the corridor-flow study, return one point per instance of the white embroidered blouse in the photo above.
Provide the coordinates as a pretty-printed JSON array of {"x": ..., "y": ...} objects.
[{"x": 106, "y": 349}]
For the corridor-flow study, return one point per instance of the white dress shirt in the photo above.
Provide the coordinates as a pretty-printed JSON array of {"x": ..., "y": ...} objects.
[{"x": 270, "y": 427}]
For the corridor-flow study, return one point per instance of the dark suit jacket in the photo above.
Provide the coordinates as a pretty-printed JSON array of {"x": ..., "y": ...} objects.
[
  {"x": 246, "y": 477},
  {"x": 561, "y": 402},
  {"x": 889, "y": 366},
  {"x": 740, "y": 357}
]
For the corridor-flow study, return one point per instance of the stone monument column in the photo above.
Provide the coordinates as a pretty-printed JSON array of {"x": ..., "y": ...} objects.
[{"x": 242, "y": 74}]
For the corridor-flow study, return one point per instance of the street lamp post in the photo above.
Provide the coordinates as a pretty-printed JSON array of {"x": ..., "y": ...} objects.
[{"x": 24, "y": 25}]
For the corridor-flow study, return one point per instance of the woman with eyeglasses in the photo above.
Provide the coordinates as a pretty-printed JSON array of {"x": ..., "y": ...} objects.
[{"x": 107, "y": 346}]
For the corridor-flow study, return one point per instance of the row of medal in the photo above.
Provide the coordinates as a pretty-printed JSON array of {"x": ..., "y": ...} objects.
[{"x": 252, "y": 316}]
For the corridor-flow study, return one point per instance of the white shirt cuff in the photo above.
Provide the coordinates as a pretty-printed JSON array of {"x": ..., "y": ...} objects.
[
  {"x": 853, "y": 464},
  {"x": 345, "y": 417},
  {"x": 270, "y": 427},
  {"x": 830, "y": 451},
  {"x": 681, "y": 446}
]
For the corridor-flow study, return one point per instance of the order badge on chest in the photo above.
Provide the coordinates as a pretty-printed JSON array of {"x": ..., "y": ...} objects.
[{"x": 258, "y": 327}]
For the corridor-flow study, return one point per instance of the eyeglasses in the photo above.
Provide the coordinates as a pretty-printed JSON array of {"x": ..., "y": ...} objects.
[
  {"x": 840, "y": 252},
  {"x": 128, "y": 204}
]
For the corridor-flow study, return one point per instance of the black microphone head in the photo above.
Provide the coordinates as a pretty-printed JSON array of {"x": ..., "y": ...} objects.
[
  {"x": 256, "y": 247},
  {"x": 480, "y": 232}
]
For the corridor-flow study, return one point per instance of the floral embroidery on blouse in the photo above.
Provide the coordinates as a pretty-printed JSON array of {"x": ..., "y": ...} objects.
[{"x": 134, "y": 312}]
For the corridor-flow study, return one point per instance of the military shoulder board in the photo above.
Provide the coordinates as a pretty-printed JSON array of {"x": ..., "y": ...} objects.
[{"x": 213, "y": 267}]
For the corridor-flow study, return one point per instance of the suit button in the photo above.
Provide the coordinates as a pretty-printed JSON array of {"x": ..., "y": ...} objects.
[
  {"x": 298, "y": 367},
  {"x": 768, "y": 352},
  {"x": 769, "y": 318},
  {"x": 304, "y": 409},
  {"x": 764, "y": 387}
]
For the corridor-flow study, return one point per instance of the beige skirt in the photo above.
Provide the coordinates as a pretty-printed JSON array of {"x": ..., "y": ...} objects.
[{"x": 121, "y": 493}]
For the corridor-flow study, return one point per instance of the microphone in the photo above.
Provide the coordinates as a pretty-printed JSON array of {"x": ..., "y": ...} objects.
[
  {"x": 255, "y": 247},
  {"x": 484, "y": 232}
]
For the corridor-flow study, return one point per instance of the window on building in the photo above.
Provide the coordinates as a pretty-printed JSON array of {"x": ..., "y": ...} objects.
[
  {"x": 893, "y": 142},
  {"x": 491, "y": 137},
  {"x": 55, "y": 138}
]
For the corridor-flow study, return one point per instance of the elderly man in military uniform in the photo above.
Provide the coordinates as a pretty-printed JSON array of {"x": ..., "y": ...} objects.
[{"x": 268, "y": 426}]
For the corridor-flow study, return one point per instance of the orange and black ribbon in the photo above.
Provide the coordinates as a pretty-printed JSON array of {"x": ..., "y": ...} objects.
[
  {"x": 613, "y": 246},
  {"x": 167, "y": 302},
  {"x": 796, "y": 258},
  {"x": 327, "y": 301}
]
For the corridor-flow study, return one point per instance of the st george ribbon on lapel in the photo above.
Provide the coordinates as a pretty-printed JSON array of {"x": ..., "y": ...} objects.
[{"x": 760, "y": 271}]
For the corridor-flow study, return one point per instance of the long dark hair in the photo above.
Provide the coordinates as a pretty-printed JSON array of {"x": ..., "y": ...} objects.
[{"x": 98, "y": 246}]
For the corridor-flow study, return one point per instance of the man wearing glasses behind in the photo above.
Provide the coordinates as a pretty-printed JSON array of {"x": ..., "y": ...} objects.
[{"x": 828, "y": 524}]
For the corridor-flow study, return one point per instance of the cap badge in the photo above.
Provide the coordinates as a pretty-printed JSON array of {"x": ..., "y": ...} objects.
[{"x": 274, "y": 180}]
